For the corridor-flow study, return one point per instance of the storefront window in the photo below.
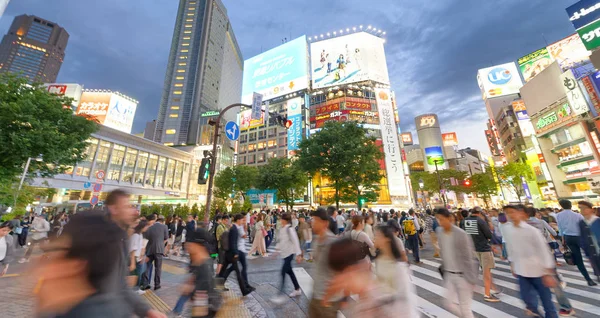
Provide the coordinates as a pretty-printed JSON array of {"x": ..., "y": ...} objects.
[
  {"x": 581, "y": 169},
  {"x": 130, "y": 158},
  {"x": 141, "y": 167},
  {"x": 573, "y": 152},
  {"x": 568, "y": 134},
  {"x": 114, "y": 170},
  {"x": 102, "y": 157},
  {"x": 160, "y": 173},
  {"x": 169, "y": 175},
  {"x": 84, "y": 166},
  {"x": 178, "y": 173},
  {"x": 151, "y": 175}
]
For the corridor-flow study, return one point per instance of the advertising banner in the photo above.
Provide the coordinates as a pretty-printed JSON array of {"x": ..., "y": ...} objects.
[
  {"x": 427, "y": 121},
  {"x": 584, "y": 12},
  {"x": 553, "y": 118},
  {"x": 246, "y": 121},
  {"x": 489, "y": 135},
  {"x": 590, "y": 35},
  {"x": 357, "y": 105},
  {"x": 518, "y": 105},
  {"x": 434, "y": 156},
  {"x": 73, "y": 91},
  {"x": 525, "y": 123},
  {"x": 569, "y": 52},
  {"x": 407, "y": 138},
  {"x": 326, "y": 109},
  {"x": 574, "y": 94},
  {"x": 294, "y": 113},
  {"x": 121, "y": 112},
  {"x": 391, "y": 145},
  {"x": 532, "y": 64},
  {"x": 589, "y": 87},
  {"x": 277, "y": 72},
  {"x": 348, "y": 59},
  {"x": 95, "y": 105},
  {"x": 450, "y": 139},
  {"x": 499, "y": 80}
]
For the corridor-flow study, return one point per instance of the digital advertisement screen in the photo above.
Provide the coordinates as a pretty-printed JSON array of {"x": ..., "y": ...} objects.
[
  {"x": 277, "y": 72},
  {"x": 534, "y": 63},
  {"x": 434, "y": 155},
  {"x": 348, "y": 59},
  {"x": 569, "y": 52},
  {"x": 499, "y": 80}
]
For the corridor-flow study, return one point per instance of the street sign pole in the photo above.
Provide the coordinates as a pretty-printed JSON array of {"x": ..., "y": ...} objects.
[{"x": 211, "y": 175}]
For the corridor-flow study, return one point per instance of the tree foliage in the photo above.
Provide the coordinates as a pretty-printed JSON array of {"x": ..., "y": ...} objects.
[
  {"x": 286, "y": 177},
  {"x": 35, "y": 124},
  {"x": 347, "y": 156},
  {"x": 431, "y": 181},
  {"x": 235, "y": 179},
  {"x": 484, "y": 185},
  {"x": 512, "y": 175}
]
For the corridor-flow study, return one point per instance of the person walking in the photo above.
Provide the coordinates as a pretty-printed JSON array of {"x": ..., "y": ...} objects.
[
  {"x": 7, "y": 247},
  {"x": 357, "y": 233},
  {"x": 25, "y": 222},
  {"x": 568, "y": 226},
  {"x": 590, "y": 235},
  {"x": 393, "y": 271},
  {"x": 431, "y": 225},
  {"x": 459, "y": 270},
  {"x": 322, "y": 273},
  {"x": 39, "y": 229},
  {"x": 410, "y": 225},
  {"x": 237, "y": 253},
  {"x": 333, "y": 214},
  {"x": 220, "y": 229},
  {"x": 268, "y": 222},
  {"x": 481, "y": 234},
  {"x": 258, "y": 245},
  {"x": 289, "y": 247},
  {"x": 530, "y": 262},
  {"x": 305, "y": 236},
  {"x": 137, "y": 252},
  {"x": 157, "y": 236}
]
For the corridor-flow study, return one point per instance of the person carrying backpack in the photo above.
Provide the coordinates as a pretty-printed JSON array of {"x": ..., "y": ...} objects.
[
  {"x": 361, "y": 238},
  {"x": 411, "y": 230},
  {"x": 219, "y": 230},
  {"x": 431, "y": 225}
]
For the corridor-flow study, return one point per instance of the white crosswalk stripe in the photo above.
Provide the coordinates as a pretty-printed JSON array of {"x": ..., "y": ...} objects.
[{"x": 430, "y": 292}]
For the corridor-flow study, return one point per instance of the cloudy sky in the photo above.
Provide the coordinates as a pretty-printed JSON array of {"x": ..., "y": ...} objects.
[{"x": 433, "y": 48}]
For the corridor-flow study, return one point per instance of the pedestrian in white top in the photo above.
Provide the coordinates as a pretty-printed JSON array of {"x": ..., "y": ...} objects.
[
  {"x": 39, "y": 229},
  {"x": 531, "y": 261},
  {"x": 7, "y": 247},
  {"x": 288, "y": 246}
]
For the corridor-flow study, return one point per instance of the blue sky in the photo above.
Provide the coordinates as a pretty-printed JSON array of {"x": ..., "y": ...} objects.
[{"x": 433, "y": 48}]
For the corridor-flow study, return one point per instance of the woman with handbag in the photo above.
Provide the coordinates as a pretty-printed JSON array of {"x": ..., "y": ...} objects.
[{"x": 258, "y": 245}]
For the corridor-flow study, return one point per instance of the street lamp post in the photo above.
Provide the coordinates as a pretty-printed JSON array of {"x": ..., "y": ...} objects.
[
  {"x": 211, "y": 175},
  {"x": 440, "y": 181},
  {"x": 23, "y": 178}
]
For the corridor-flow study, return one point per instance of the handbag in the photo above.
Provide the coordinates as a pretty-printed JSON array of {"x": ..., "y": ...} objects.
[
  {"x": 568, "y": 255},
  {"x": 264, "y": 232},
  {"x": 18, "y": 230}
]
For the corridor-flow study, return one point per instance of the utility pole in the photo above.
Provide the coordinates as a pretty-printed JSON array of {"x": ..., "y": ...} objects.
[
  {"x": 211, "y": 175},
  {"x": 440, "y": 182}
]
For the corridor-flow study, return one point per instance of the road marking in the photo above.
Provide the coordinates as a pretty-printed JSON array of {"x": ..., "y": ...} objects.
[{"x": 10, "y": 275}]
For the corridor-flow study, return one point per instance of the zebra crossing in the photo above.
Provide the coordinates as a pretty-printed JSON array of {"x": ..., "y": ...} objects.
[{"x": 431, "y": 292}]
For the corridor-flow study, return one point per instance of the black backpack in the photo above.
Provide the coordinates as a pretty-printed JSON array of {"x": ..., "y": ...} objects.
[
  {"x": 211, "y": 242},
  {"x": 225, "y": 241}
]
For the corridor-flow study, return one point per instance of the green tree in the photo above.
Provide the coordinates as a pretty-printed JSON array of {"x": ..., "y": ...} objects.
[
  {"x": 484, "y": 186},
  {"x": 34, "y": 123},
  {"x": 512, "y": 175},
  {"x": 9, "y": 195},
  {"x": 345, "y": 154},
  {"x": 451, "y": 180},
  {"x": 284, "y": 176},
  {"x": 234, "y": 179}
]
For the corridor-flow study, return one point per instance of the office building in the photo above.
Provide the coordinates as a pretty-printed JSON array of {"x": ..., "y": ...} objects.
[
  {"x": 34, "y": 48},
  {"x": 204, "y": 73}
]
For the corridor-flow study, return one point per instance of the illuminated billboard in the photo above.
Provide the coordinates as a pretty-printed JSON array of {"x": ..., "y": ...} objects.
[
  {"x": 584, "y": 12},
  {"x": 348, "y": 59},
  {"x": 569, "y": 52},
  {"x": 294, "y": 133},
  {"x": 434, "y": 156},
  {"x": 109, "y": 109},
  {"x": 499, "y": 80},
  {"x": 532, "y": 64},
  {"x": 449, "y": 139},
  {"x": 73, "y": 91},
  {"x": 277, "y": 72},
  {"x": 407, "y": 138},
  {"x": 246, "y": 121}
]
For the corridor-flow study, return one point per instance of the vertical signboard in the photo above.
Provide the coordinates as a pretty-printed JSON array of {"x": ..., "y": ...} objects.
[
  {"x": 294, "y": 113},
  {"x": 450, "y": 139},
  {"x": 574, "y": 93},
  {"x": 589, "y": 87},
  {"x": 391, "y": 145},
  {"x": 256, "y": 106}
]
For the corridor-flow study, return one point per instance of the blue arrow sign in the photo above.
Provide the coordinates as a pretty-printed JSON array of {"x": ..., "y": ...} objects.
[
  {"x": 232, "y": 130},
  {"x": 87, "y": 185}
]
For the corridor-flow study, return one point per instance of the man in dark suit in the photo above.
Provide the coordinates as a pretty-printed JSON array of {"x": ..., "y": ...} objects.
[
  {"x": 157, "y": 236},
  {"x": 236, "y": 253},
  {"x": 332, "y": 212}
]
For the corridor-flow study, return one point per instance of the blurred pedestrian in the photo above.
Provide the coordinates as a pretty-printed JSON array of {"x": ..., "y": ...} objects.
[
  {"x": 39, "y": 229},
  {"x": 137, "y": 252},
  {"x": 157, "y": 236},
  {"x": 258, "y": 245},
  {"x": 590, "y": 235},
  {"x": 459, "y": 269},
  {"x": 236, "y": 252},
  {"x": 431, "y": 225},
  {"x": 305, "y": 236},
  {"x": 410, "y": 226},
  {"x": 322, "y": 272},
  {"x": 7, "y": 247},
  {"x": 289, "y": 248}
]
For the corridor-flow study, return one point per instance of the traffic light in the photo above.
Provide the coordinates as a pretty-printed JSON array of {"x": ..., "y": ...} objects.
[
  {"x": 467, "y": 183},
  {"x": 204, "y": 171}
]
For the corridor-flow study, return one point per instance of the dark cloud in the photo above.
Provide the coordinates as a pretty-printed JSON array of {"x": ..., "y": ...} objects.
[{"x": 433, "y": 48}]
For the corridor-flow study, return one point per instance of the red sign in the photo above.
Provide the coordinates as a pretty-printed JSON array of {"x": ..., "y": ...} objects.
[
  {"x": 541, "y": 158},
  {"x": 379, "y": 144},
  {"x": 57, "y": 89},
  {"x": 327, "y": 108},
  {"x": 589, "y": 87},
  {"x": 518, "y": 106},
  {"x": 449, "y": 139},
  {"x": 357, "y": 105},
  {"x": 407, "y": 138}
]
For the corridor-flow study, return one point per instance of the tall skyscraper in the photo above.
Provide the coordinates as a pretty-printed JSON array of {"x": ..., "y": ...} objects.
[
  {"x": 34, "y": 47},
  {"x": 204, "y": 73}
]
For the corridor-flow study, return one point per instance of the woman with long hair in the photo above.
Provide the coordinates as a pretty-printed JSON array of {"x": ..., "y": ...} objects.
[
  {"x": 358, "y": 234},
  {"x": 392, "y": 270},
  {"x": 258, "y": 245}
]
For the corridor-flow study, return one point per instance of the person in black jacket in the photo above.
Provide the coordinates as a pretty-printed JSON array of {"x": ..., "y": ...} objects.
[
  {"x": 234, "y": 254},
  {"x": 332, "y": 212}
]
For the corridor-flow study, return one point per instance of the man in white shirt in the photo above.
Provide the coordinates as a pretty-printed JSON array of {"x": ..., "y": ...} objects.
[
  {"x": 38, "y": 230},
  {"x": 531, "y": 261},
  {"x": 289, "y": 246},
  {"x": 340, "y": 220}
]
